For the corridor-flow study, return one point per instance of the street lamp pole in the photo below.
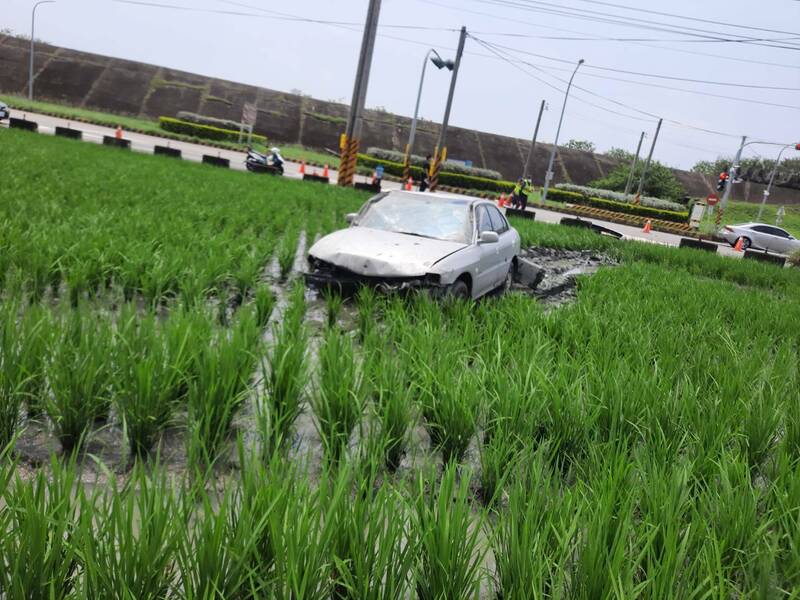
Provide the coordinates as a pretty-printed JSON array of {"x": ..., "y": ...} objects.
[
  {"x": 33, "y": 23},
  {"x": 549, "y": 174},
  {"x": 440, "y": 63},
  {"x": 772, "y": 178}
]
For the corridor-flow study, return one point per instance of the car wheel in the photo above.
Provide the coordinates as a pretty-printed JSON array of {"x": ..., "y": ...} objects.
[
  {"x": 745, "y": 242},
  {"x": 458, "y": 290},
  {"x": 510, "y": 277}
]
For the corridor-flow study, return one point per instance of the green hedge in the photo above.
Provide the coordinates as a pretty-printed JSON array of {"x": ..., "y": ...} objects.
[
  {"x": 620, "y": 207},
  {"x": 452, "y": 179},
  {"x": 203, "y": 131}
]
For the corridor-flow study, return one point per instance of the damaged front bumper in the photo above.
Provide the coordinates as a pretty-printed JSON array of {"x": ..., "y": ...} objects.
[{"x": 326, "y": 276}]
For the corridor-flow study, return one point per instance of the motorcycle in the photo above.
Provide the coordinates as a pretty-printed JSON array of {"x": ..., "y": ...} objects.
[{"x": 263, "y": 163}]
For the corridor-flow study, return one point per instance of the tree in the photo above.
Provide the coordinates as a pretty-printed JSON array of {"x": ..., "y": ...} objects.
[
  {"x": 660, "y": 182},
  {"x": 620, "y": 154},
  {"x": 583, "y": 145}
]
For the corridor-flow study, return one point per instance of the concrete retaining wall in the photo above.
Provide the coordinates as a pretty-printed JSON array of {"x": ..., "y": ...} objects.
[{"x": 131, "y": 88}]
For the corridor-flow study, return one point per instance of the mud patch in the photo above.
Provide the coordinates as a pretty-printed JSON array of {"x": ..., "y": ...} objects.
[{"x": 561, "y": 271}]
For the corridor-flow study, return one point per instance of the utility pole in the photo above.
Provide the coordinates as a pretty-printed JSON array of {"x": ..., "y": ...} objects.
[
  {"x": 33, "y": 23},
  {"x": 548, "y": 176},
  {"x": 527, "y": 170},
  {"x": 732, "y": 173},
  {"x": 440, "y": 153},
  {"x": 647, "y": 163},
  {"x": 633, "y": 167},
  {"x": 350, "y": 141}
]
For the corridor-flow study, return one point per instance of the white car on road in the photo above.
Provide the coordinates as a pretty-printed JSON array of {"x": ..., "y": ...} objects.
[
  {"x": 761, "y": 235},
  {"x": 399, "y": 240}
]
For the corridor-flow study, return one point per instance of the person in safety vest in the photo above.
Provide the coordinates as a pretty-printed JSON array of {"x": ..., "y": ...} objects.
[{"x": 519, "y": 197}]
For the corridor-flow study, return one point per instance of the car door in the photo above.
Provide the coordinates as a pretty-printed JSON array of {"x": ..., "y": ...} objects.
[
  {"x": 488, "y": 255},
  {"x": 507, "y": 244},
  {"x": 760, "y": 238},
  {"x": 780, "y": 240}
]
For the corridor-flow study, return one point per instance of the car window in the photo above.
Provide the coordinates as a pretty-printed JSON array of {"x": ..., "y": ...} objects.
[
  {"x": 498, "y": 220},
  {"x": 414, "y": 214},
  {"x": 483, "y": 220},
  {"x": 777, "y": 231}
]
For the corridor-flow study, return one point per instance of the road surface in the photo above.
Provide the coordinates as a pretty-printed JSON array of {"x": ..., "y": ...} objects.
[{"x": 194, "y": 152}]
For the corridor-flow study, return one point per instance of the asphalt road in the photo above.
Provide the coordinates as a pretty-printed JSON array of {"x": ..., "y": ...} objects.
[{"x": 194, "y": 152}]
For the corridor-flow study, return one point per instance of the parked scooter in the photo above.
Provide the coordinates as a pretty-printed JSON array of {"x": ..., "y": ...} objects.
[{"x": 265, "y": 163}]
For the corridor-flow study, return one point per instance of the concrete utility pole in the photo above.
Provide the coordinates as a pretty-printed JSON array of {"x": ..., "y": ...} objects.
[
  {"x": 647, "y": 163},
  {"x": 350, "y": 141},
  {"x": 548, "y": 176},
  {"x": 526, "y": 172},
  {"x": 440, "y": 63},
  {"x": 33, "y": 24},
  {"x": 633, "y": 166},
  {"x": 440, "y": 153}
]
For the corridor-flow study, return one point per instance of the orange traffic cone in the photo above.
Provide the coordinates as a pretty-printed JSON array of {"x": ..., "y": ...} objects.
[
  {"x": 118, "y": 133},
  {"x": 739, "y": 247},
  {"x": 409, "y": 184},
  {"x": 302, "y": 167},
  {"x": 648, "y": 226},
  {"x": 325, "y": 171}
]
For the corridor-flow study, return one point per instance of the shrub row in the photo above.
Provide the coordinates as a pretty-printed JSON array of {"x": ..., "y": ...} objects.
[
  {"x": 647, "y": 201},
  {"x": 185, "y": 115},
  {"x": 203, "y": 131},
  {"x": 445, "y": 178},
  {"x": 451, "y": 166},
  {"x": 559, "y": 195}
]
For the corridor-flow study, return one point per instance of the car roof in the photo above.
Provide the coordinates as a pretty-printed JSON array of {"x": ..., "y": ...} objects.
[{"x": 756, "y": 225}]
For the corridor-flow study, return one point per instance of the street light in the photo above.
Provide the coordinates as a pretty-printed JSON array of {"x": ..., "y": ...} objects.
[
  {"x": 772, "y": 178},
  {"x": 549, "y": 175},
  {"x": 33, "y": 22},
  {"x": 439, "y": 63}
]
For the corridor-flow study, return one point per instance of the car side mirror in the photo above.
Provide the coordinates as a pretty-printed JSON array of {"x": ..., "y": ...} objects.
[
  {"x": 488, "y": 237},
  {"x": 351, "y": 217}
]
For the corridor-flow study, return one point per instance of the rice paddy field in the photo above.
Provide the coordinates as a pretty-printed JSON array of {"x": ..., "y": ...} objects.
[{"x": 181, "y": 419}]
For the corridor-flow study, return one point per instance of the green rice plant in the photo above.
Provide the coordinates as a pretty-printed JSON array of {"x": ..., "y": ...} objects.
[
  {"x": 337, "y": 401},
  {"x": 148, "y": 379},
  {"x": 214, "y": 551},
  {"x": 219, "y": 387},
  {"x": 264, "y": 301},
  {"x": 128, "y": 539},
  {"x": 607, "y": 560},
  {"x": 371, "y": 545},
  {"x": 450, "y": 409},
  {"x": 536, "y": 535},
  {"x": 38, "y": 544},
  {"x": 284, "y": 372},
  {"x": 450, "y": 548},
  {"x": 784, "y": 504},
  {"x": 12, "y": 376},
  {"x": 393, "y": 403},
  {"x": 287, "y": 251},
  {"x": 333, "y": 304},
  {"x": 246, "y": 276},
  {"x": 367, "y": 303},
  {"x": 36, "y": 330},
  {"x": 80, "y": 374}
]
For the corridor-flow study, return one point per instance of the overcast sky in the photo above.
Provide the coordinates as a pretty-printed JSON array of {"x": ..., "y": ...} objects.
[{"x": 493, "y": 94}]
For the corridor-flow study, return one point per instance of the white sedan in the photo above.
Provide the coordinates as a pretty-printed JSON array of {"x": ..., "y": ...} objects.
[
  {"x": 760, "y": 235},
  {"x": 399, "y": 240}
]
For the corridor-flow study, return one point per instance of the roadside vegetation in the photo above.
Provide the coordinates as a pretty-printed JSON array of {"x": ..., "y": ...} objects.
[{"x": 244, "y": 439}]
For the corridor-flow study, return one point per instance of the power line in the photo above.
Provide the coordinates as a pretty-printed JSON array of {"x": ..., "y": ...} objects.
[
  {"x": 648, "y": 45},
  {"x": 613, "y": 19},
  {"x": 655, "y": 76}
]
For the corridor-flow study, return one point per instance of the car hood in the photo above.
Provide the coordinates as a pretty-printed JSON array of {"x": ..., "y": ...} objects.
[{"x": 375, "y": 253}]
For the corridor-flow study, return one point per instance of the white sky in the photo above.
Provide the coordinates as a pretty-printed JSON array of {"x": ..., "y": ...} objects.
[{"x": 492, "y": 95}]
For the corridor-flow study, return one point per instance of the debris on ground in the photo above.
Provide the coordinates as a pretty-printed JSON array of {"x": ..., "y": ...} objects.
[{"x": 552, "y": 273}]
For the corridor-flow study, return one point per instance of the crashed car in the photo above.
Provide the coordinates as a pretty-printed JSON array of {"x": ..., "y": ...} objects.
[
  {"x": 401, "y": 240},
  {"x": 4, "y": 112}
]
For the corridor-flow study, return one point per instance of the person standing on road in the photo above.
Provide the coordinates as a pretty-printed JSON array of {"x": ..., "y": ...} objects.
[{"x": 426, "y": 169}]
